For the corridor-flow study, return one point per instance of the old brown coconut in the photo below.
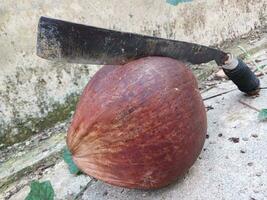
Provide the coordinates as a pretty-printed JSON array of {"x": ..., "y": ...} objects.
[{"x": 140, "y": 125}]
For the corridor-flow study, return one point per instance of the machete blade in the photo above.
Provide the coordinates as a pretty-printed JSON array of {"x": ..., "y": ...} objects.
[{"x": 76, "y": 43}]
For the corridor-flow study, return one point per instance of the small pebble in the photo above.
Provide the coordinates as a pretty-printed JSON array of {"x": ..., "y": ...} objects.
[
  {"x": 44, "y": 150},
  {"x": 254, "y": 135},
  {"x": 207, "y": 136},
  {"x": 250, "y": 164},
  {"x": 258, "y": 60},
  {"x": 258, "y": 174},
  {"x": 105, "y": 193},
  {"x": 242, "y": 151},
  {"x": 220, "y": 135},
  {"x": 209, "y": 108},
  {"x": 234, "y": 139},
  {"x": 212, "y": 142}
]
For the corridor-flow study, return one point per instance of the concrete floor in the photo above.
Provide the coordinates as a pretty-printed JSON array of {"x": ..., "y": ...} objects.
[{"x": 225, "y": 170}]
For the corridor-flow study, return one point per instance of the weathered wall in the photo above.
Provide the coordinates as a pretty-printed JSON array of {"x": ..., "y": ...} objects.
[{"x": 36, "y": 93}]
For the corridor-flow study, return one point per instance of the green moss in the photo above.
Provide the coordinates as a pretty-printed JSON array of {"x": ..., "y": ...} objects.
[{"x": 25, "y": 129}]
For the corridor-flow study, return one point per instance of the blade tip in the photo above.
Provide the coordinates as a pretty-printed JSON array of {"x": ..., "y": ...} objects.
[{"x": 48, "y": 43}]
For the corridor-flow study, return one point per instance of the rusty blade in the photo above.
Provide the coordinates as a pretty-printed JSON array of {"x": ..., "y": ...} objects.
[{"x": 76, "y": 43}]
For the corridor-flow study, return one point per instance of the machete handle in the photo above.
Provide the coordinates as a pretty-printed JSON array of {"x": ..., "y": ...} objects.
[{"x": 244, "y": 78}]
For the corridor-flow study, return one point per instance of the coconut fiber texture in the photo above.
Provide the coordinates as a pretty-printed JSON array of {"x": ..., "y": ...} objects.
[{"x": 140, "y": 125}]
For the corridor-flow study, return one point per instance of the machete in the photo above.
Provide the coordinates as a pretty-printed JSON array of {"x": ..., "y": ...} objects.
[{"x": 76, "y": 43}]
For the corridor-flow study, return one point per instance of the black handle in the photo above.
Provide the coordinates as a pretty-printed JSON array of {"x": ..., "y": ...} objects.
[{"x": 244, "y": 78}]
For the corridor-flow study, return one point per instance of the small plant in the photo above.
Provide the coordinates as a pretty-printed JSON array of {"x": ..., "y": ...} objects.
[
  {"x": 41, "y": 191},
  {"x": 176, "y": 2},
  {"x": 68, "y": 159},
  {"x": 262, "y": 115}
]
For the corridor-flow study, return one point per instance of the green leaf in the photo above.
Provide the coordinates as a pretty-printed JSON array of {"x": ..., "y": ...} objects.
[
  {"x": 41, "y": 191},
  {"x": 263, "y": 115},
  {"x": 68, "y": 159},
  {"x": 176, "y": 2}
]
